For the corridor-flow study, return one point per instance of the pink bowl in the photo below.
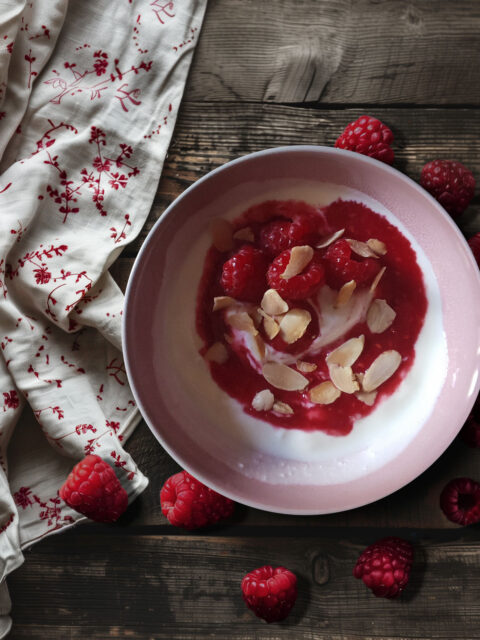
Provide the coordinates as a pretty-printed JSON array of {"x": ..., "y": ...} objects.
[{"x": 187, "y": 435}]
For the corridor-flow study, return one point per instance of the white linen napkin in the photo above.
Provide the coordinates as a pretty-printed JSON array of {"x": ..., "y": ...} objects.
[{"x": 89, "y": 93}]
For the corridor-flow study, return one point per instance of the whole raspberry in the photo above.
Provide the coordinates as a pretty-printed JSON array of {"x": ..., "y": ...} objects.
[
  {"x": 341, "y": 267},
  {"x": 460, "y": 501},
  {"x": 449, "y": 182},
  {"x": 275, "y": 237},
  {"x": 368, "y": 136},
  {"x": 385, "y": 566},
  {"x": 474, "y": 244},
  {"x": 270, "y": 592},
  {"x": 93, "y": 489},
  {"x": 301, "y": 286},
  {"x": 189, "y": 504},
  {"x": 243, "y": 276},
  {"x": 280, "y": 235}
]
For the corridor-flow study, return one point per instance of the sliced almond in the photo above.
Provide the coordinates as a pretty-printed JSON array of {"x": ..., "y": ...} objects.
[
  {"x": 381, "y": 369},
  {"x": 347, "y": 353},
  {"x": 343, "y": 378},
  {"x": 256, "y": 316},
  {"x": 380, "y": 316},
  {"x": 242, "y": 321},
  {"x": 258, "y": 348},
  {"x": 271, "y": 327},
  {"x": 294, "y": 324},
  {"x": 282, "y": 377},
  {"x": 221, "y": 231},
  {"x": 273, "y": 303},
  {"x": 306, "y": 367},
  {"x": 324, "y": 393},
  {"x": 328, "y": 240},
  {"x": 367, "y": 398},
  {"x": 378, "y": 277},
  {"x": 299, "y": 259},
  {"x": 378, "y": 246},
  {"x": 217, "y": 353},
  {"x": 222, "y": 302},
  {"x": 245, "y": 234},
  {"x": 361, "y": 249},
  {"x": 345, "y": 294},
  {"x": 263, "y": 400},
  {"x": 282, "y": 407}
]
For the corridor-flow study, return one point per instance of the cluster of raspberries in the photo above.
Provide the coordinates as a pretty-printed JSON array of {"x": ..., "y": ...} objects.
[
  {"x": 93, "y": 489},
  {"x": 251, "y": 270}
]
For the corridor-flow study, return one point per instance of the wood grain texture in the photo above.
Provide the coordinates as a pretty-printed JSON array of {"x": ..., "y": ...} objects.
[
  {"x": 208, "y": 135},
  {"x": 339, "y": 51},
  {"x": 120, "y": 586}
]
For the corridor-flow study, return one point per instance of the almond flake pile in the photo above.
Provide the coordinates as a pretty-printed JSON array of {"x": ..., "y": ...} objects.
[{"x": 291, "y": 324}]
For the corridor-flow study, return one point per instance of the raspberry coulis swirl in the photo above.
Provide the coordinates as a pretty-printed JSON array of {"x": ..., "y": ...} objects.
[{"x": 353, "y": 282}]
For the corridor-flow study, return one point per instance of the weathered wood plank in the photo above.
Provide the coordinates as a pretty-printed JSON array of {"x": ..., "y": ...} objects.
[
  {"x": 208, "y": 135},
  {"x": 339, "y": 51},
  {"x": 415, "y": 506},
  {"x": 79, "y": 586}
]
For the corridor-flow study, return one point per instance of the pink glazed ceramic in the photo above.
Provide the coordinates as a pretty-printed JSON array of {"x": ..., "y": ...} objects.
[{"x": 235, "y": 467}]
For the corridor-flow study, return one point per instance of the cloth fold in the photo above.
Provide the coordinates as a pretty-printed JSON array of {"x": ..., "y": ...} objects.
[{"x": 89, "y": 94}]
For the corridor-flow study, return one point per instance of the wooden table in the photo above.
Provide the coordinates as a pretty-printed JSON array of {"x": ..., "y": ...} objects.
[{"x": 270, "y": 73}]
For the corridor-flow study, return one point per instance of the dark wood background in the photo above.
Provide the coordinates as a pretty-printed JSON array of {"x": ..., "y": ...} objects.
[{"x": 270, "y": 73}]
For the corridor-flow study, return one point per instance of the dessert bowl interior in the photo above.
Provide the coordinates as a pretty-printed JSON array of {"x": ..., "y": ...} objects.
[{"x": 207, "y": 433}]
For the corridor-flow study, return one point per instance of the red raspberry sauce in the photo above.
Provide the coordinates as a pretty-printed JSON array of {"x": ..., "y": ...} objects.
[{"x": 401, "y": 286}]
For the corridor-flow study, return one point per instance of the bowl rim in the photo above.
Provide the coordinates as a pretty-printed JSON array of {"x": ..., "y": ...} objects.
[{"x": 169, "y": 212}]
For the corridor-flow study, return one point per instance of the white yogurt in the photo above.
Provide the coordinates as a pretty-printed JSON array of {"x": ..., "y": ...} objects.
[{"x": 246, "y": 442}]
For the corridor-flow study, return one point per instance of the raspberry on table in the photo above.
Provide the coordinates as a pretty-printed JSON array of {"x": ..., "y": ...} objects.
[
  {"x": 93, "y": 489},
  {"x": 189, "y": 504},
  {"x": 368, "y": 136},
  {"x": 460, "y": 501},
  {"x": 341, "y": 267},
  {"x": 244, "y": 274},
  {"x": 270, "y": 592},
  {"x": 385, "y": 566},
  {"x": 301, "y": 286},
  {"x": 449, "y": 182},
  {"x": 474, "y": 244}
]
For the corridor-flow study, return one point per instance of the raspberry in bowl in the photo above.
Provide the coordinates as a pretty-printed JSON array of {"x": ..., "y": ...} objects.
[{"x": 294, "y": 337}]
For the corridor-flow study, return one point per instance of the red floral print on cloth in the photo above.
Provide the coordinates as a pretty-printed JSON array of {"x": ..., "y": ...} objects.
[
  {"x": 86, "y": 81},
  {"x": 114, "y": 171}
]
